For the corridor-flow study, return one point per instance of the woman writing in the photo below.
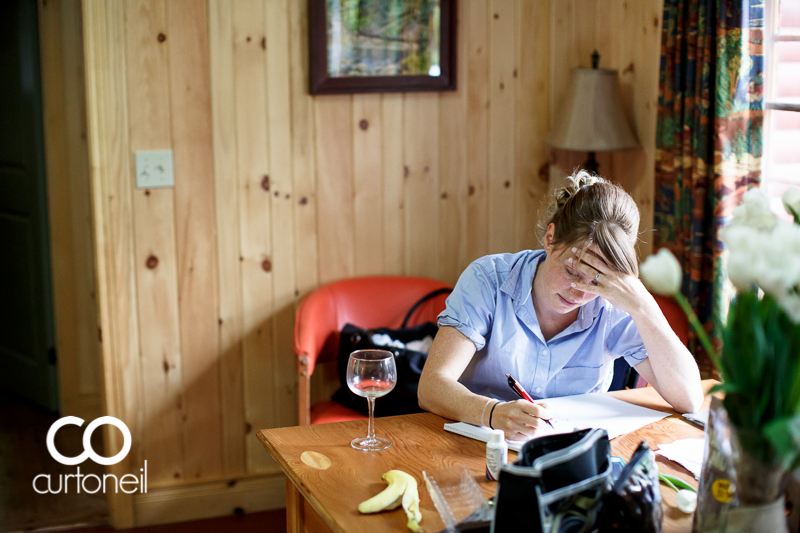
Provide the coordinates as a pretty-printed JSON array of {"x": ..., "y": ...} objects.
[{"x": 555, "y": 319}]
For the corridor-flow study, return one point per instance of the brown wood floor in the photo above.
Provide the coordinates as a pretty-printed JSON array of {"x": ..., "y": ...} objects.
[
  {"x": 24, "y": 455},
  {"x": 266, "y": 522}
]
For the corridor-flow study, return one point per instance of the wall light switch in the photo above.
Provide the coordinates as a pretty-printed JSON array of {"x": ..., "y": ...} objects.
[{"x": 154, "y": 169}]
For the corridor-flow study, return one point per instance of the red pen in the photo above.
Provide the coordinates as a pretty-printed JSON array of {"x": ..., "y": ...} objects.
[{"x": 522, "y": 393}]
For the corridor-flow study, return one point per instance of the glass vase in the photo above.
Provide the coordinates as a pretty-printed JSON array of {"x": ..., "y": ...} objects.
[{"x": 738, "y": 491}]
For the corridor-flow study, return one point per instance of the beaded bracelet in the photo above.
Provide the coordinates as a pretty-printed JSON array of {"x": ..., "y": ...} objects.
[
  {"x": 492, "y": 413},
  {"x": 484, "y": 410}
]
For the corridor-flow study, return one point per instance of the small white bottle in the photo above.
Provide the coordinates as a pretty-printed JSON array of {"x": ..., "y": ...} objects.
[{"x": 496, "y": 454}]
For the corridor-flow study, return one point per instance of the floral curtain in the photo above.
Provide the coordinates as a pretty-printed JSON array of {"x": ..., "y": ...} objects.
[{"x": 708, "y": 144}]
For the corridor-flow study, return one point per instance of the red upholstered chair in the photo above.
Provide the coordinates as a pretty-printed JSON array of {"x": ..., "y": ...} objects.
[
  {"x": 369, "y": 302},
  {"x": 676, "y": 318}
]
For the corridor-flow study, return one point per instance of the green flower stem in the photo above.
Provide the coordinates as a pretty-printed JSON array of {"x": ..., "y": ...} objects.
[
  {"x": 698, "y": 327},
  {"x": 675, "y": 483}
]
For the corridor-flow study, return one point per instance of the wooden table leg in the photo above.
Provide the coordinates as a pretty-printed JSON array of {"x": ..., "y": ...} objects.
[{"x": 295, "y": 513}]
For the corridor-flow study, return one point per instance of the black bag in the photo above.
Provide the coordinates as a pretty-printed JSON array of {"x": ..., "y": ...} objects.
[
  {"x": 634, "y": 504},
  {"x": 565, "y": 484},
  {"x": 555, "y": 485},
  {"x": 403, "y": 399}
]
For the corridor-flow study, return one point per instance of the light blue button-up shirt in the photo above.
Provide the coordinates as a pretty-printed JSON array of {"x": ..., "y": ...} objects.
[{"x": 492, "y": 306}]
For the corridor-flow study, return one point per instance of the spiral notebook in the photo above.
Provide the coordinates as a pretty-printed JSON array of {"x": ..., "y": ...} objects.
[{"x": 582, "y": 411}]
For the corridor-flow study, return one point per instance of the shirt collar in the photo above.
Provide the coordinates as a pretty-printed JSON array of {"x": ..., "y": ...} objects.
[{"x": 519, "y": 281}]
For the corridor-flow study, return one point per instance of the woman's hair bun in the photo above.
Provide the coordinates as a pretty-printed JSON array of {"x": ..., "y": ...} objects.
[{"x": 575, "y": 182}]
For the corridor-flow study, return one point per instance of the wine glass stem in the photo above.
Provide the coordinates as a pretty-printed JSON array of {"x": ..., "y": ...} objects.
[{"x": 371, "y": 431}]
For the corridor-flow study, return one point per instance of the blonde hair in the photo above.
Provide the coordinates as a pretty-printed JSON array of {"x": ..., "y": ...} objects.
[{"x": 590, "y": 210}]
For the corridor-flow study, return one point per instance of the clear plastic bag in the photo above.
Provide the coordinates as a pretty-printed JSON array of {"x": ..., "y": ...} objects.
[{"x": 458, "y": 498}]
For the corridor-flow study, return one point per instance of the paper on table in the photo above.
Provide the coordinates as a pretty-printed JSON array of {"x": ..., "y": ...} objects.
[
  {"x": 578, "y": 412},
  {"x": 686, "y": 452}
]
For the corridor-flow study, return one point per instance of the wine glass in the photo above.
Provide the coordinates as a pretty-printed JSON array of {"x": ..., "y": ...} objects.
[{"x": 371, "y": 374}]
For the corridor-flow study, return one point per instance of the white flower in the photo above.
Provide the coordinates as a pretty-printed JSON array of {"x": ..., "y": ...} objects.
[
  {"x": 686, "y": 501},
  {"x": 791, "y": 304},
  {"x": 661, "y": 272},
  {"x": 754, "y": 210},
  {"x": 791, "y": 201}
]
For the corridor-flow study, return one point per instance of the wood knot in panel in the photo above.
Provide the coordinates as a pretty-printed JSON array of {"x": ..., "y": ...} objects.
[
  {"x": 470, "y": 190},
  {"x": 152, "y": 262},
  {"x": 265, "y": 182},
  {"x": 303, "y": 200},
  {"x": 507, "y": 184},
  {"x": 315, "y": 460},
  {"x": 496, "y": 16},
  {"x": 247, "y": 428},
  {"x": 266, "y": 264},
  {"x": 363, "y": 124},
  {"x": 161, "y": 37},
  {"x": 264, "y": 43}
]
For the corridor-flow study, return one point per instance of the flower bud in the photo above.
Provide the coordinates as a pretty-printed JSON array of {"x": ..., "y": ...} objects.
[
  {"x": 661, "y": 273},
  {"x": 791, "y": 201}
]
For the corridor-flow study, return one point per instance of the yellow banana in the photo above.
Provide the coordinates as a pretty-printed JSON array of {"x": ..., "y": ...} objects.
[
  {"x": 411, "y": 505},
  {"x": 390, "y": 497},
  {"x": 403, "y": 489}
]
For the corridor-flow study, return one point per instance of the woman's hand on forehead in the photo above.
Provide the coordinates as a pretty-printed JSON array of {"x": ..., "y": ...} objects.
[{"x": 589, "y": 261}]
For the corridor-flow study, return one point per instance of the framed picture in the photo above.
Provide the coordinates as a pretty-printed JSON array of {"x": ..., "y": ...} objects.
[{"x": 371, "y": 46}]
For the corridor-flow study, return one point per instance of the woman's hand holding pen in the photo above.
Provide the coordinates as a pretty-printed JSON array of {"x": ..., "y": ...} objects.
[{"x": 519, "y": 419}]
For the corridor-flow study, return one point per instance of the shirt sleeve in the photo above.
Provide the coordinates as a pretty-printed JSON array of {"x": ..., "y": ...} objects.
[
  {"x": 623, "y": 340},
  {"x": 471, "y": 306}
]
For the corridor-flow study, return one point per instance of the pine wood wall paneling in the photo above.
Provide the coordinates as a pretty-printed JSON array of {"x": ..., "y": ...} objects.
[
  {"x": 67, "y": 153},
  {"x": 608, "y": 42},
  {"x": 89, "y": 380},
  {"x": 112, "y": 212},
  {"x": 229, "y": 285},
  {"x": 645, "y": 113},
  {"x": 367, "y": 184},
  {"x": 282, "y": 211},
  {"x": 421, "y": 156},
  {"x": 394, "y": 177},
  {"x": 255, "y": 188},
  {"x": 562, "y": 56},
  {"x": 502, "y": 89},
  {"x": 154, "y": 236},
  {"x": 324, "y": 380},
  {"x": 335, "y": 213},
  {"x": 533, "y": 120},
  {"x": 303, "y": 153},
  {"x": 477, "y": 134},
  {"x": 453, "y": 166},
  {"x": 190, "y": 96}
]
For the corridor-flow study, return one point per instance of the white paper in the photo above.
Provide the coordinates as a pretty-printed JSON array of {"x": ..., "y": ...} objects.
[
  {"x": 578, "y": 412},
  {"x": 686, "y": 452}
]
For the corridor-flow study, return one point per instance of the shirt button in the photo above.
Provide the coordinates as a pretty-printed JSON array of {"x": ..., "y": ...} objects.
[
  {"x": 544, "y": 352},
  {"x": 537, "y": 390}
]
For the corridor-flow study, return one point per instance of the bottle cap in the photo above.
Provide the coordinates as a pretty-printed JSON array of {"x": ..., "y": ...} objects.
[{"x": 496, "y": 435}]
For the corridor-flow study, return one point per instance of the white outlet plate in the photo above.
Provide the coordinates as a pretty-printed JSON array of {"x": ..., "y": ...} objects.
[{"x": 154, "y": 169}]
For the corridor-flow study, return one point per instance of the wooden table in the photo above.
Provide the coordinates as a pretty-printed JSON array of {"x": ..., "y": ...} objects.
[{"x": 326, "y": 500}]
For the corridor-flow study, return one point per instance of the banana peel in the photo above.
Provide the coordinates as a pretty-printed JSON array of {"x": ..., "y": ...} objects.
[{"x": 402, "y": 489}]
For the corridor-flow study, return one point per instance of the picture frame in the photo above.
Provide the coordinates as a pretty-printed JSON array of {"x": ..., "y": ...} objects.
[{"x": 377, "y": 46}]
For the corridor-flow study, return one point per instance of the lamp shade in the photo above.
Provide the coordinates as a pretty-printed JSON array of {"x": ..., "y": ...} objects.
[{"x": 591, "y": 117}]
